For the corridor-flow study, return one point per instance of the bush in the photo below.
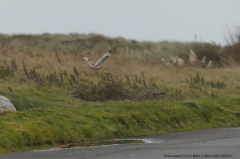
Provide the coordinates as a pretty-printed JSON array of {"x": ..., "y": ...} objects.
[{"x": 110, "y": 87}]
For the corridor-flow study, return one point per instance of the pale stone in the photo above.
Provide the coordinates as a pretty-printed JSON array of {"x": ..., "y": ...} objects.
[{"x": 6, "y": 105}]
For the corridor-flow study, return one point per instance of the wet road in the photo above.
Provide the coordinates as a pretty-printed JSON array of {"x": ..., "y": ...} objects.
[{"x": 209, "y": 143}]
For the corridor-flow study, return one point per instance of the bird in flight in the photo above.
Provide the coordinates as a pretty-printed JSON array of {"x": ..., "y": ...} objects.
[{"x": 97, "y": 66}]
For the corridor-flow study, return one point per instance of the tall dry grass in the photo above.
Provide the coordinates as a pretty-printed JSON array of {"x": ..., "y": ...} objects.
[
  {"x": 48, "y": 60},
  {"x": 142, "y": 52}
]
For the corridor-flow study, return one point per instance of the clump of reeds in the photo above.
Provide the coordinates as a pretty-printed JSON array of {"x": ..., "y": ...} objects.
[
  {"x": 200, "y": 80},
  {"x": 216, "y": 84},
  {"x": 198, "y": 85},
  {"x": 31, "y": 76},
  {"x": 7, "y": 70}
]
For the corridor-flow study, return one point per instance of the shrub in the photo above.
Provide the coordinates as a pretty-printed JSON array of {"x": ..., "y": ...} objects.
[{"x": 110, "y": 87}]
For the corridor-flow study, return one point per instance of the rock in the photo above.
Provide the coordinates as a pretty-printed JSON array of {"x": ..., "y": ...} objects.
[{"x": 6, "y": 105}]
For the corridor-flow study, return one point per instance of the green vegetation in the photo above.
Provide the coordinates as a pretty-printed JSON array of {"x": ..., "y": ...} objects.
[
  {"x": 91, "y": 121},
  {"x": 200, "y": 81},
  {"x": 60, "y": 100}
]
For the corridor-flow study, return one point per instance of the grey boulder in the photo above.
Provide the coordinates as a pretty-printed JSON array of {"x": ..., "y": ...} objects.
[{"x": 6, "y": 105}]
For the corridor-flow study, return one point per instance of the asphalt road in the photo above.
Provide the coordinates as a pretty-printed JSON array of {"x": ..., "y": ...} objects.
[{"x": 209, "y": 143}]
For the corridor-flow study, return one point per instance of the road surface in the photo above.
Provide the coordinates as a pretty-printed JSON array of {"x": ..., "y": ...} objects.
[{"x": 218, "y": 143}]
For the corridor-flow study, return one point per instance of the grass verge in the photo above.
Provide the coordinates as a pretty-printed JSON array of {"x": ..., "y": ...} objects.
[{"x": 91, "y": 121}]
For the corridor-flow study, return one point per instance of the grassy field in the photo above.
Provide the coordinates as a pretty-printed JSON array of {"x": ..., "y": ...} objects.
[{"x": 61, "y": 100}]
